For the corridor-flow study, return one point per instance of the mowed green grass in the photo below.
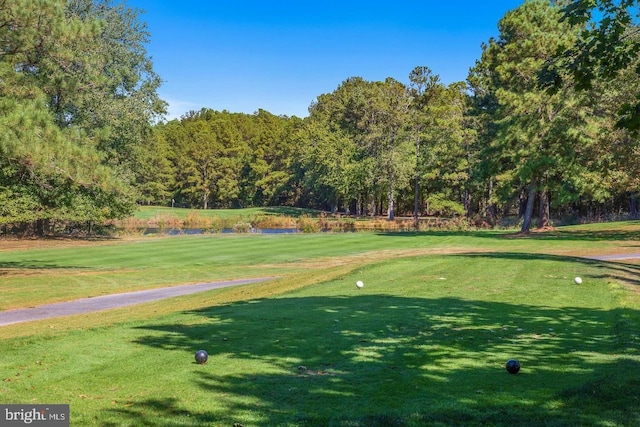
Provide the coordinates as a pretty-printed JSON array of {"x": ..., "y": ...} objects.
[
  {"x": 64, "y": 272},
  {"x": 149, "y": 212},
  {"x": 423, "y": 343}
]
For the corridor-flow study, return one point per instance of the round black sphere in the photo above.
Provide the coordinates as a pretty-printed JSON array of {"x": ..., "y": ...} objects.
[
  {"x": 201, "y": 357},
  {"x": 513, "y": 366}
]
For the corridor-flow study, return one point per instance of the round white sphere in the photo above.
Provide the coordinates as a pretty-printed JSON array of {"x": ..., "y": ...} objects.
[
  {"x": 578, "y": 280},
  {"x": 359, "y": 284}
]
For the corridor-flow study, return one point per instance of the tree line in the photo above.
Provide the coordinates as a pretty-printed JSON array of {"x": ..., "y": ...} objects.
[{"x": 542, "y": 127}]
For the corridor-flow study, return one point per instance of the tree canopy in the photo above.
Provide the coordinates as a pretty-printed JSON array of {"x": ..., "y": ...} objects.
[
  {"x": 76, "y": 89},
  {"x": 545, "y": 126},
  {"x": 608, "y": 44}
]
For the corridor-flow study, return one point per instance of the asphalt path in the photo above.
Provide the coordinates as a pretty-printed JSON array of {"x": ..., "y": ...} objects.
[{"x": 106, "y": 302}]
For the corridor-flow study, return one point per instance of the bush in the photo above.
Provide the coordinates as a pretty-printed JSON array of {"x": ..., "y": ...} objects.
[
  {"x": 242, "y": 227},
  {"x": 306, "y": 224}
]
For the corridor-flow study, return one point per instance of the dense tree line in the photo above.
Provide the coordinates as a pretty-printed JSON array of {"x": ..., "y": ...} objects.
[
  {"x": 542, "y": 127},
  {"x": 503, "y": 143},
  {"x": 212, "y": 159}
]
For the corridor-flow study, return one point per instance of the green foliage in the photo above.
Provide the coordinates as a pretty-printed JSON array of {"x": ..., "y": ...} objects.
[
  {"x": 328, "y": 160},
  {"x": 603, "y": 63},
  {"x": 224, "y": 159},
  {"x": 68, "y": 71},
  {"x": 357, "y": 147},
  {"x": 608, "y": 44},
  {"x": 369, "y": 121},
  {"x": 491, "y": 148},
  {"x": 78, "y": 99},
  {"x": 536, "y": 144},
  {"x": 446, "y": 149},
  {"x": 441, "y": 205}
]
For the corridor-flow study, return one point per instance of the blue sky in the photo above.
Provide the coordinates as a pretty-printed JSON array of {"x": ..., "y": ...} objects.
[{"x": 279, "y": 55}]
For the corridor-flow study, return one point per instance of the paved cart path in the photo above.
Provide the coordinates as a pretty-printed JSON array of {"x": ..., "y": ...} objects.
[{"x": 86, "y": 305}]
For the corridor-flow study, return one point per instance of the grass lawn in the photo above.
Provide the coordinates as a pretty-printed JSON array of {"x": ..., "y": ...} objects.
[
  {"x": 148, "y": 212},
  {"x": 423, "y": 343}
]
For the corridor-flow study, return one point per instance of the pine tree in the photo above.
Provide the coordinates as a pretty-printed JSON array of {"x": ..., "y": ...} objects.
[{"x": 537, "y": 136}]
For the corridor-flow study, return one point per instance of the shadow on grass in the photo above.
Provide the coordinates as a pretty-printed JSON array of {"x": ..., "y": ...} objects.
[
  {"x": 628, "y": 231},
  {"x": 446, "y": 233},
  {"x": 559, "y": 234},
  {"x": 9, "y": 266},
  {"x": 379, "y": 360}
]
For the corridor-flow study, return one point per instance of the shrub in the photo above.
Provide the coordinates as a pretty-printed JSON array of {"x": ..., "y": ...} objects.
[{"x": 306, "y": 224}]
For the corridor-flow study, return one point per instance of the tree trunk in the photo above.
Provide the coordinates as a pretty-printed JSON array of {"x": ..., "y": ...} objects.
[
  {"x": 490, "y": 212},
  {"x": 38, "y": 227},
  {"x": 522, "y": 205},
  {"x": 415, "y": 202},
  {"x": 417, "y": 183},
  {"x": 528, "y": 212},
  {"x": 633, "y": 206},
  {"x": 391, "y": 195},
  {"x": 466, "y": 201},
  {"x": 543, "y": 213},
  {"x": 205, "y": 200}
]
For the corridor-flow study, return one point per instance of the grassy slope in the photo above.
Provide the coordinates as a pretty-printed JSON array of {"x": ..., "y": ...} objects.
[
  {"x": 424, "y": 343},
  {"x": 148, "y": 212}
]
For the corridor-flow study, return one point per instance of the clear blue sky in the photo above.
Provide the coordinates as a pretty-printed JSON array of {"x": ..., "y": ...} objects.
[{"x": 279, "y": 55}]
